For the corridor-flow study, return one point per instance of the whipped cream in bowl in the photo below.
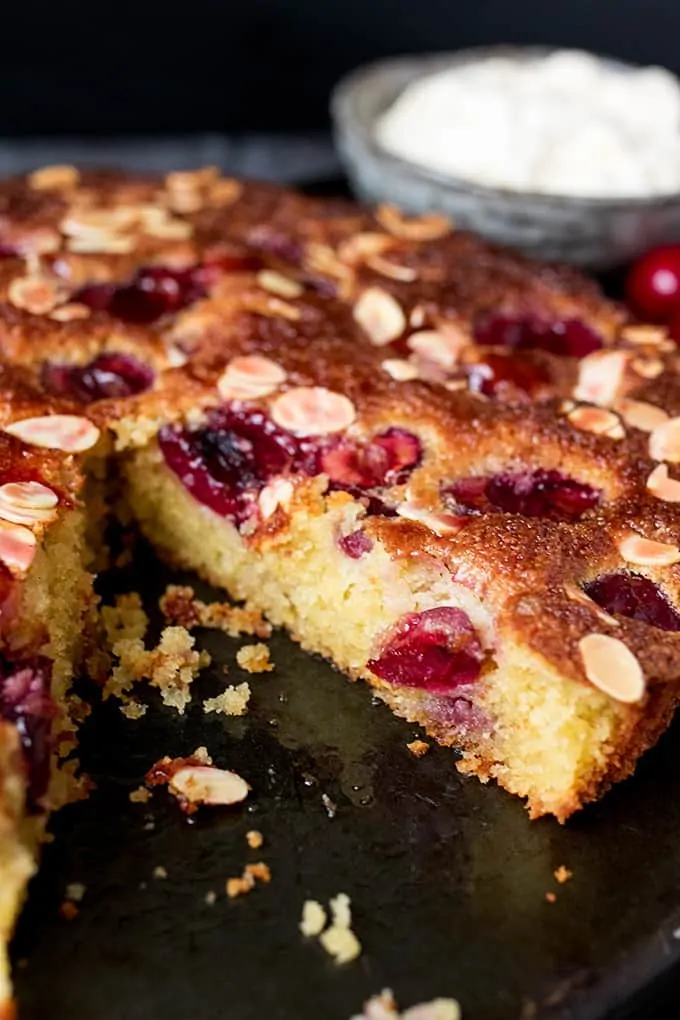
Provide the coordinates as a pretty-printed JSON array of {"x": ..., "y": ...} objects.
[
  {"x": 559, "y": 153},
  {"x": 568, "y": 123}
]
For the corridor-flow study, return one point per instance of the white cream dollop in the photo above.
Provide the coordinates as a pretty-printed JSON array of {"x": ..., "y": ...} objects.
[{"x": 565, "y": 124}]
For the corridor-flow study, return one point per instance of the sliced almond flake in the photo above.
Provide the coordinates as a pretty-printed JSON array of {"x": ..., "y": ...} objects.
[
  {"x": 277, "y": 493},
  {"x": 169, "y": 230},
  {"x": 204, "y": 784},
  {"x": 81, "y": 222},
  {"x": 417, "y": 317},
  {"x": 67, "y": 432},
  {"x": 648, "y": 368},
  {"x": 597, "y": 420},
  {"x": 443, "y": 346},
  {"x": 277, "y": 283},
  {"x": 192, "y": 180},
  {"x": 601, "y": 377},
  {"x": 644, "y": 334},
  {"x": 380, "y": 315},
  {"x": 17, "y": 547},
  {"x": 312, "y": 411},
  {"x": 641, "y": 415},
  {"x": 645, "y": 552},
  {"x": 41, "y": 241},
  {"x": 101, "y": 243},
  {"x": 27, "y": 503},
  {"x": 415, "y": 228},
  {"x": 664, "y": 441},
  {"x": 577, "y": 594},
  {"x": 71, "y": 311},
  {"x": 249, "y": 378},
  {"x": 611, "y": 666},
  {"x": 362, "y": 246},
  {"x": 400, "y": 369},
  {"x": 663, "y": 487},
  {"x": 392, "y": 270},
  {"x": 58, "y": 177},
  {"x": 321, "y": 258},
  {"x": 226, "y": 191},
  {"x": 272, "y": 306},
  {"x": 36, "y": 294},
  {"x": 441, "y": 523}
]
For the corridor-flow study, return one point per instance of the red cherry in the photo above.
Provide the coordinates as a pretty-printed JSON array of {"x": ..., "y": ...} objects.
[{"x": 653, "y": 284}]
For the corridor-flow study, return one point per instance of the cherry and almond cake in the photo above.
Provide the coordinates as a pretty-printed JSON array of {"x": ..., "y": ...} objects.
[{"x": 449, "y": 470}]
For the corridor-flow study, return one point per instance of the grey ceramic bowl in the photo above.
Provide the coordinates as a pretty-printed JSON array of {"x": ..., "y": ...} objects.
[{"x": 594, "y": 232}]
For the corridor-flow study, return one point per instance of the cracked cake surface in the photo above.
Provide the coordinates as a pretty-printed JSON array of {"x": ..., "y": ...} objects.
[{"x": 448, "y": 469}]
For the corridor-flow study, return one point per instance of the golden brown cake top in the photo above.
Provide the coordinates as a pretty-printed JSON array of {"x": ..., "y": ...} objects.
[{"x": 539, "y": 421}]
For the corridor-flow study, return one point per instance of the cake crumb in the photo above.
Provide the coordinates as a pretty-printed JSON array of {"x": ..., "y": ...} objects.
[
  {"x": 133, "y": 709},
  {"x": 180, "y": 606},
  {"x": 313, "y": 918},
  {"x": 254, "y": 839},
  {"x": 562, "y": 874},
  {"x": 384, "y": 1007},
  {"x": 210, "y": 897},
  {"x": 232, "y": 701},
  {"x": 140, "y": 796},
  {"x": 251, "y": 873},
  {"x": 171, "y": 666},
  {"x": 255, "y": 658},
  {"x": 75, "y": 891},
  {"x": 418, "y": 748},
  {"x": 550, "y": 897},
  {"x": 338, "y": 940},
  {"x": 68, "y": 910},
  {"x": 159, "y": 872},
  {"x": 125, "y": 620}
]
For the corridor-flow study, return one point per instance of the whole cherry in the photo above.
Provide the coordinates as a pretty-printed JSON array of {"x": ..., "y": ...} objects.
[{"x": 653, "y": 284}]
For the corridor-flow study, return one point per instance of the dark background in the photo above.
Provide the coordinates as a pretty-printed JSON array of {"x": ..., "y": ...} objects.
[{"x": 73, "y": 67}]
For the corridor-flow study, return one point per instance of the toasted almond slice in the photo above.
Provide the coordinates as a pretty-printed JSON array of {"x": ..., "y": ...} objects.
[
  {"x": 67, "y": 432},
  {"x": 597, "y": 420},
  {"x": 392, "y": 270},
  {"x": 612, "y": 667},
  {"x": 33, "y": 495},
  {"x": 191, "y": 180},
  {"x": 400, "y": 369},
  {"x": 101, "y": 220},
  {"x": 601, "y": 377},
  {"x": 36, "y": 294},
  {"x": 415, "y": 228},
  {"x": 73, "y": 310},
  {"x": 644, "y": 333},
  {"x": 362, "y": 246},
  {"x": 443, "y": 346},
  {"x": 646, "y": 553},
  {"x": 17, "y": 547},
  {"x": 641, "y": 415},
  {"x": 27, "y": 503},
  {"x": 380, "y": 315},
  {"x": 664, "y": 442},
  {"x": 271, "y": 306},
  {"x": 648, "y": 368},
  {"x": 663, "y": 487},
  {"x": 101, "y": 243},
  {"x": 576, "y": 594},
  {"x": 278, "y": 493},
  {"x": 277, "y": 283},
  {"x": 58, "y": 177},
  {"x": 250, "y": 377},
  {"x": 169, "y": 230},
  {"x": 204, "y": 784},
  {"x": 441, "y": 523},
  {"x": 312, "y": 411},
  {"x": 183, "y": 202},
  {"x": 226, "y": 191},
  {"x": 320, "y": 258}
]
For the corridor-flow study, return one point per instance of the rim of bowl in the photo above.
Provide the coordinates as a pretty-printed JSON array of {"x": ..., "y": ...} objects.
[{"x": 345, "y": 112}]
